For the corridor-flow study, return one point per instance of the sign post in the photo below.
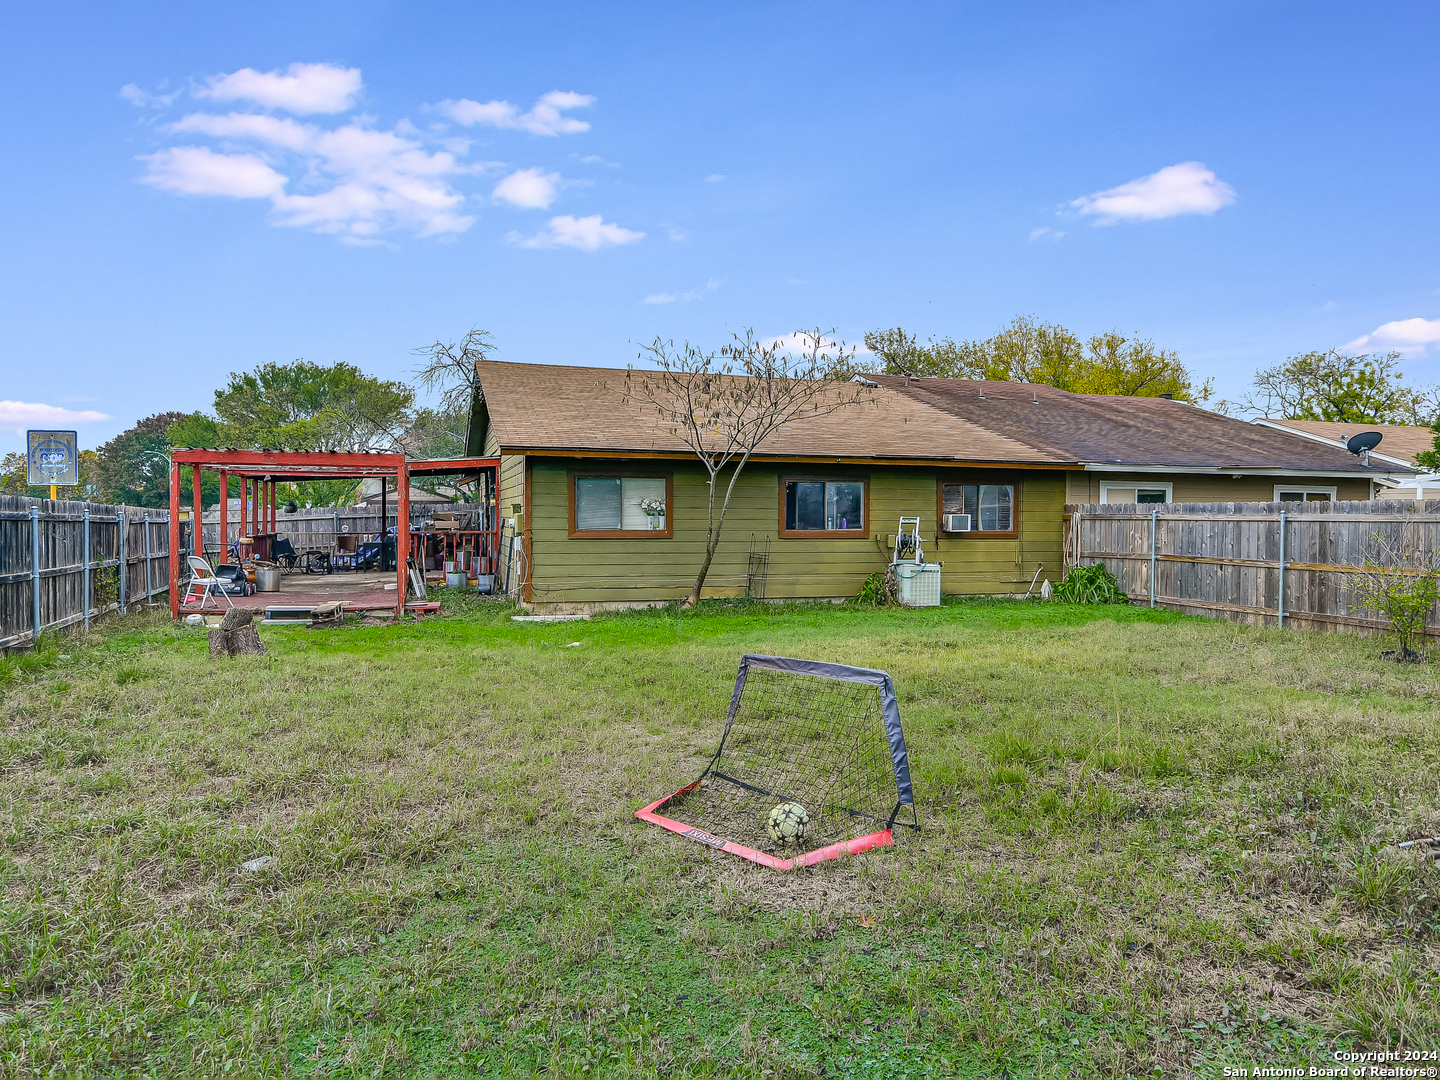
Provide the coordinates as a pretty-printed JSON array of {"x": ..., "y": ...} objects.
[{"x": 52, "y": 458}]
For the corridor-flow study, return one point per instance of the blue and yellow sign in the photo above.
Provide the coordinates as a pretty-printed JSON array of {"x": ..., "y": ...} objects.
[{"x": 52, "y": 458}]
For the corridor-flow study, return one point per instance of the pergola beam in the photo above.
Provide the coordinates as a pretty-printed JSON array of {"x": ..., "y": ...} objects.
[{"x": 260, "y": 470}]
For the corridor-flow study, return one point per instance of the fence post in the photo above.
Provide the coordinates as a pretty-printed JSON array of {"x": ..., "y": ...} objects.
[
  {"x": 1280, "y": 594},
  {"x": 1154, "y": 524},
  {"x": 35, "y": 573},
  {"x": 149, "y": 585},
  {"x": 85, "y": 575},
  {"x": 121, "y": 575}
]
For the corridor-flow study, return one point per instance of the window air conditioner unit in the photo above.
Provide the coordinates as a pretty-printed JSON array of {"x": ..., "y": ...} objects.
[{"x": 957, "y": 522}]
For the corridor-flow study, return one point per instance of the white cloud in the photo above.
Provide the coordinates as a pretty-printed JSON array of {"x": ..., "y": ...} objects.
[
  {"x": 303, "y": 89},
  {"x": 545, "y": 118},
  {"x": 534, "y": 189},
  {"x": 715, "y": 178},
  {"x": 596, "y": 159},
  {"x": 145, "y": 100},
  {"x": 684, "y": 297},
  {"x": 802, "y": 342},
  {"x": 198, "y": 170},
  {"x": 1187, "y": 188},
  {"x": 18, "y": 416},
  {"x": 678, "y": 234},
  {"x": 586, "y": 234},
  {"x": 1044, "y": 232},
  {"x": 289, "y": 134},
  {"x": 1409, "y": 337},
  {"x": 363, "y": 181}
]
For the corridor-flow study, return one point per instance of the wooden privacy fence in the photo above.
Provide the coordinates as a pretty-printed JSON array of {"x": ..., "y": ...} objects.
[
  {"x": 1265, "y": 563},
  {"x": 317, "y": 526},
  {"x": 69, "y": 562}
]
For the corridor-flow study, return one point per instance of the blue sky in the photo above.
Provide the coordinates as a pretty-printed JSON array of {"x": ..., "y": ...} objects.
[{"x": 196, "y": 189}]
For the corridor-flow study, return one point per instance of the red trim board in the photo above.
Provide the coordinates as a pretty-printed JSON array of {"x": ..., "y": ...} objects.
[{"x": 883, "y": 838}]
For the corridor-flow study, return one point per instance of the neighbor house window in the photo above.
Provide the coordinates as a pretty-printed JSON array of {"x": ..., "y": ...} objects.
[
  {"x": 619, "y": 506},
  {"x": 823, "y": 508},
  {"x": 1304, "y": 494},
  {"x": 1130, "y": 492},
  {"x": 991, "y": 507}
]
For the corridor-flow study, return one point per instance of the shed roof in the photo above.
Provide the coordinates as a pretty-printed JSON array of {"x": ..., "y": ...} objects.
[
  {"x": 1400, "y": 442},
  {"x": 557, "y": 408},
  {"x": 1112, "y": 431}
]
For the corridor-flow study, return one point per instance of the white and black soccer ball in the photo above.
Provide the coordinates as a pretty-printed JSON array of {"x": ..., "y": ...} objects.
[{"x": 788, "y": 823}]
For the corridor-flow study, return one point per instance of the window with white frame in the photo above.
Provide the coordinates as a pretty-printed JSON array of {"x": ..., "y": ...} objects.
[
  {"x": 1292, "y": 493},
  {"x": 1134, "y": 491}
]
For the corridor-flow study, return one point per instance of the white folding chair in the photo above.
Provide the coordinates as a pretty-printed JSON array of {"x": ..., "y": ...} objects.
[{"x": 204, "y": 579}]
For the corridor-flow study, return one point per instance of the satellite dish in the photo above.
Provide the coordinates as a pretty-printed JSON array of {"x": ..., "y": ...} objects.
[{"x": 1364, "y": 442}]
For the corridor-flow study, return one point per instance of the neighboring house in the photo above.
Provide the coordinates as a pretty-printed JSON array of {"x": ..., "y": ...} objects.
[
  {"x": 1154, "y": 450},
  {"x": 609, "y": 505},
  {"x": 1398, "y": 446},
  {"x": 581, "y": 462}
]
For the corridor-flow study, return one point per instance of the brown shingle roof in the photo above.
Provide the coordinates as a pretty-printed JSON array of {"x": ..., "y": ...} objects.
[
  {"x": 1398, "y": 442},
  {"x": 556, "y": 407},
  {"x": 1105, "y": 430}
]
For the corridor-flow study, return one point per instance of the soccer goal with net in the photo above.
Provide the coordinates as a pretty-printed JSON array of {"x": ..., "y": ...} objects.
[{"x": 812, "y": 766}]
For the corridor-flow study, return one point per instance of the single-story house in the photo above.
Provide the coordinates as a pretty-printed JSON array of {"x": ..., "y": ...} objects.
[
  {"x": 608, "y": 506},
  {"x": 1155, "y": 450},
  {"x": 1398, "y": 446}
]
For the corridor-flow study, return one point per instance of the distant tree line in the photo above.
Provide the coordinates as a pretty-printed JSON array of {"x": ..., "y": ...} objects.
[
  {"x": 1032, "y": 351},
  {"x": 295, "y": 406},
  {"x": 1329, "y": 385}
]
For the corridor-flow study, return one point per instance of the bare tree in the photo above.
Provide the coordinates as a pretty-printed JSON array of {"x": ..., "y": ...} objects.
[
  {"x": 1399, "y": 580},
  {"x": 724, "y": 405},
  {"x": 450, "y": 368}
]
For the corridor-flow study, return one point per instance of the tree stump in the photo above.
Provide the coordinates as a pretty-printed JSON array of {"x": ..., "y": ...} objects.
[{"x": 236, "y": 635}]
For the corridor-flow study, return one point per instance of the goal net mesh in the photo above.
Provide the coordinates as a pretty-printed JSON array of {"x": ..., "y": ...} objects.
[{"x": 810, "y": 733}]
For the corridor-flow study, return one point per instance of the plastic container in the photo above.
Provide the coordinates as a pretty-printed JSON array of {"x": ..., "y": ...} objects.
[
  {"x": 267, "y": 580},
  {"x": 919, "y": 584},
  {"x": 484, "y": 583}
]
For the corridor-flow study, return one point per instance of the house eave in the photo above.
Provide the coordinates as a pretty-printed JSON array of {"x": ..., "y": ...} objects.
[{"x": 1231, "y": 470}]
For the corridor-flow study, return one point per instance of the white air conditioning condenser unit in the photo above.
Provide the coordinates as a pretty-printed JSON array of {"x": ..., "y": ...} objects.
[{"x": 957, "y": 523}]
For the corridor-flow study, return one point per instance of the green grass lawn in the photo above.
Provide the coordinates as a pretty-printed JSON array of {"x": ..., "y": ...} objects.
[{"x": 1152, "y": 845}]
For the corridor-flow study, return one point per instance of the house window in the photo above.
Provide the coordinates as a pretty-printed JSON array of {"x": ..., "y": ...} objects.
[
  {"x": 823, "y": 508},
  {"x": 991, "y": 507},
  {"x": 1304, "y": 494},
  {"x": 1129, "y": 491},
  {"x": 619, "y": 506}
]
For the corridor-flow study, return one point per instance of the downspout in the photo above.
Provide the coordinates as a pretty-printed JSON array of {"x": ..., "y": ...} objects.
[
  {"x": 1280, "y": 596},
  {"x": 1154, "y": 527}
]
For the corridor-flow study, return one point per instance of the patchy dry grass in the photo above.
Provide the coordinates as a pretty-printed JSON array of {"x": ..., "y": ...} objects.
[{"x": 1152, "y": 845}]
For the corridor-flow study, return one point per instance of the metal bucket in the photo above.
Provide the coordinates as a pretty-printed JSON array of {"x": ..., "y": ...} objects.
[
  {"x": 267, "y": 580},
  {"x": 484, "y": 583},
  {"x": 455, "y": 581}
]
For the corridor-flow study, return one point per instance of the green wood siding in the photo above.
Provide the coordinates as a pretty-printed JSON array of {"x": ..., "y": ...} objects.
[{"x": 642, "y": 569}]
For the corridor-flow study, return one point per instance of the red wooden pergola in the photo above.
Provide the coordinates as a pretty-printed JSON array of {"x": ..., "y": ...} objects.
[{"x": 260, "y": 470}]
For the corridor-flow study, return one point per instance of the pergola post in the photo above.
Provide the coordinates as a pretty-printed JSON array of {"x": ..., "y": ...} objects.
[
  {"x": 198, "y": 534},
  {"x": 224, "y": 513},
  {"x": 402, "y": 535},
  {"x": 174, "y": 539}
]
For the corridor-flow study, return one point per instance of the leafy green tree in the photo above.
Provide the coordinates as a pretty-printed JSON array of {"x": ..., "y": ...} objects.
[
  {"x": 305, "y": 406},
  {"x": 135, "y": 465},
  {"x": 196, "y": 432},
  {"x": 1031, "y": 351},
  {"x": 15, "y": 472},
  {"x": 1332, "y": 385}
]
